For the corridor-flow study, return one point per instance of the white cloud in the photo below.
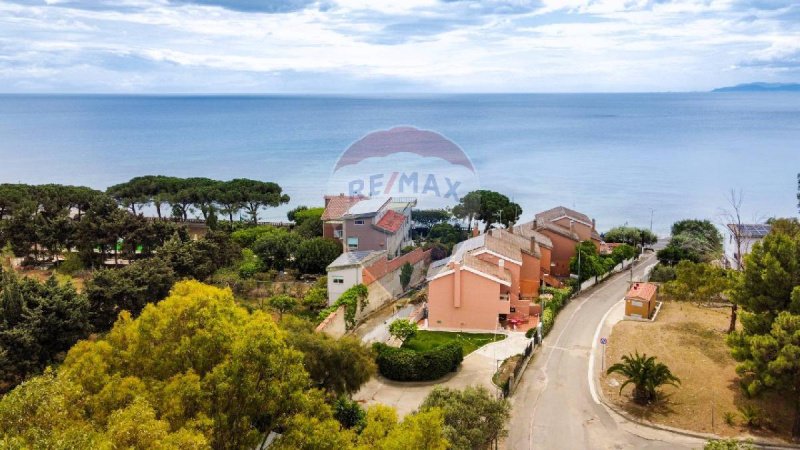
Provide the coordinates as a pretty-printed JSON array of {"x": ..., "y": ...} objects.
[{"x": 424, "y": 45}]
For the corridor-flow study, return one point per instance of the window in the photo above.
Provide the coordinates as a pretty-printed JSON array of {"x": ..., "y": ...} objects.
[
  {"x": 359, "y": 222},
  {"x": 352, "y": 243},
  {"x": 338, "y": 280}
]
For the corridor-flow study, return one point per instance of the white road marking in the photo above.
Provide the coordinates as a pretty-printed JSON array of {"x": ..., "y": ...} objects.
[{"x": 590, "y": 373}]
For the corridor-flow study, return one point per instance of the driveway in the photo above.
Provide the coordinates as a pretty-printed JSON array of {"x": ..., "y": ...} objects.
[
  {"x": 554, "y": 407},
  {"x": 476, "y": 369}
]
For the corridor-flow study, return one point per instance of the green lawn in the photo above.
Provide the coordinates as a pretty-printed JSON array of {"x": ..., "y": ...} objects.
[{"x": 426, "y": 340}]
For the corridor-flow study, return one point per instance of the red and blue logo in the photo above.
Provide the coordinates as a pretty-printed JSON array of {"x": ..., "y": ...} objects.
[{"x": 405, "y": 162}]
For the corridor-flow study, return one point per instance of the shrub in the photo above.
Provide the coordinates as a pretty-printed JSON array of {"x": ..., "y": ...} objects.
[
  {"x": 407, "y": 249},
  {"x": 250, "y": 264},
  {"x": 402, "y": 329},
  {"x": 529, "y": 334},
  {"x": 751, "y": 415},
  {"x": 729, "y": 418},
  {"x": 548, "y": 318},
  {"x": 728, "y": 444},
  {"x": 71, "y": 265},
  {"x": 349, "y": 413},
  {"x": 662, "y": 273},
  {"x": 401, "y": 364},
  {"x": 405, "y": 274}
]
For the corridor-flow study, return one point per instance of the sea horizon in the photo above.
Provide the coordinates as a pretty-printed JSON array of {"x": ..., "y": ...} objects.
[{"x": 614, "y": 156}]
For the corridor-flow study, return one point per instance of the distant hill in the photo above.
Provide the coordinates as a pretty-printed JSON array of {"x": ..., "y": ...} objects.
[{"x": 761, "y": 87}]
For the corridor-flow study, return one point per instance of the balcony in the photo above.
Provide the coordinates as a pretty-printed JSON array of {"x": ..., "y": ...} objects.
[{"x": 504, "y": 297}]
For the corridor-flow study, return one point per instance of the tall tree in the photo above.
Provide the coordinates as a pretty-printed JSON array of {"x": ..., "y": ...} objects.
[
  {"x": 258, "y": 194},
  {"x": 38, "y": 321},
  {"x": 768, "y": 293},
  {"x": 489, "y": 207},
  {"x": 193, "y": 371}
]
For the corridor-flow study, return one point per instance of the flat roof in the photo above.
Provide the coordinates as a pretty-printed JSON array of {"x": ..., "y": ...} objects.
[
  {"x": 347, "y": 259},
  {"x": 370, "y": 206}
]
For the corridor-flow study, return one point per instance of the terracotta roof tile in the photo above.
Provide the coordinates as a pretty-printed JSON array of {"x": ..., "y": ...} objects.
[
  {"x": 391, "y": 221},
  {"x": 337, "y": 205},
  {"x": 561, "y": 211},
  {"x": 558, "y": 229},
  {"x": 645, "y": 291},
  {"x": 527, "y": 230}
]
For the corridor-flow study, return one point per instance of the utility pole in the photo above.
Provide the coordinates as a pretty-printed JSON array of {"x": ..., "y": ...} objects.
[{"x": 651, "y": 219}]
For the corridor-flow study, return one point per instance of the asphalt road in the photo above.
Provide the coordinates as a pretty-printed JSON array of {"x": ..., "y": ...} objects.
[{"x": 553, "y": 407}]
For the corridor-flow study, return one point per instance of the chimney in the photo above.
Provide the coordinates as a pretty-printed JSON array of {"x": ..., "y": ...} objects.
[
  {"x": 475, "y": 230},
  {"x": 533, "y": 226},
  {"x": 571, "y": 225},
  {"x": 593, "y": 224}
]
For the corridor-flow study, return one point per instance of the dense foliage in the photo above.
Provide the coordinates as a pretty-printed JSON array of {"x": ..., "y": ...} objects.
[
  {"x": 131, "y": 288},
  {"x": 42, "y": 222},
  {"x": 473, "y": 418},
  {"x": 768, "y": 293},
  {"x": 425, "y": 219},
  {"x": 554, "y": 300},
  {"x": 631, "y": 236},
  {"x": 185, "y": 195},
  {"x": 193, "y": 371},
  {"x": 279, "y": 249},
  {"x": 38, "y": 321},
  {"x": 588, "y": 263},
  {"x": 694, "y": 240},
  {"x": 352, "y": 299},
  {"x": 402, "y": 329},
  {"x": 487, "y": 206},
  {"x": 340, "y": 366},
  {"x": 401, "y": 364}
]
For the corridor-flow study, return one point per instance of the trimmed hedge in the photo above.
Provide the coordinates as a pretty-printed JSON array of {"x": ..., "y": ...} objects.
[
  {"x": 401, "y": 364},
  {"x": 553, "y": 306}
]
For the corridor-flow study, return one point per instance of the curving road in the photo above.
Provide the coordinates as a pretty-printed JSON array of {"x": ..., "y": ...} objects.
[{"x": 554, "y": 408}]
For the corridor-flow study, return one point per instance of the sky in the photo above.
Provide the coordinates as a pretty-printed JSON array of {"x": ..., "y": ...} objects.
[{"x": 400, "y": 46}]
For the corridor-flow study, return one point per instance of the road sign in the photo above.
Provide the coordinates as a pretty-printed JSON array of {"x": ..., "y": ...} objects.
[{"x": 603, "y": 341}]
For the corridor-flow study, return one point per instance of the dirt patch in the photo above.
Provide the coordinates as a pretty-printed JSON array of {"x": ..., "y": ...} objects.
[{"x": 690, "y": 340}]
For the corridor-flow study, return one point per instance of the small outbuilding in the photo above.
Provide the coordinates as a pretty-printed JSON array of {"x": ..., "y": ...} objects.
[{"x": 640, "y": 301}]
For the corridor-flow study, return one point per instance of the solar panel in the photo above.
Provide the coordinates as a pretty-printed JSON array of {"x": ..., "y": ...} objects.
[{"x": 756, "y": 230}]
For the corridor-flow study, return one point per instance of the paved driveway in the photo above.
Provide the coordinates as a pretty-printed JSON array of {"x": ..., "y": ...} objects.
[{"x": 476, "y": 369}]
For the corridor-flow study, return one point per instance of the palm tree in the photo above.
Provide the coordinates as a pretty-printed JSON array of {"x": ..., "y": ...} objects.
[{"x": 646, "y": 375}]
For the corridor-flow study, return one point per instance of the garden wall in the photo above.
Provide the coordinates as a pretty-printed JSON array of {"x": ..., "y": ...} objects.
[
  {"x": 333, "y": 325},
  {"x": 618, "y": 268},
  {"x": 387, "y": 287}
]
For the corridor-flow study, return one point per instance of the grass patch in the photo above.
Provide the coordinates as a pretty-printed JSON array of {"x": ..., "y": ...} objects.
[
  {"x": 424, "y": 340},
  {"x": 690, "y": 340}
]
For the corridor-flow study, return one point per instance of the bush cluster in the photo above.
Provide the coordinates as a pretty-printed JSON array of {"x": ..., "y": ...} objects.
[
  {"x": 401, "y": 364},
  {"x": 553, "y": 306}
]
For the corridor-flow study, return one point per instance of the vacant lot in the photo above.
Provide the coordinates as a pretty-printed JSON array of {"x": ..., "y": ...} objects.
[
  {"x": 690, "y": 340},
  {"x": 426, "y": 340}
]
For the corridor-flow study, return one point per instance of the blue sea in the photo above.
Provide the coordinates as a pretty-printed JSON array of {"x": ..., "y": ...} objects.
[{"x": 614, "y": 156}]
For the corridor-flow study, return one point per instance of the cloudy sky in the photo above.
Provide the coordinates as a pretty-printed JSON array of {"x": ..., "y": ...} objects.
[{"x": 377, "y": 46}]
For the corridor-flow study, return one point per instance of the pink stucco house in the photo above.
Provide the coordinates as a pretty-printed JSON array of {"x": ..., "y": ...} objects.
[
  {"x": 565, "y": 228},
  {"x": 490, "y": 279}
]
